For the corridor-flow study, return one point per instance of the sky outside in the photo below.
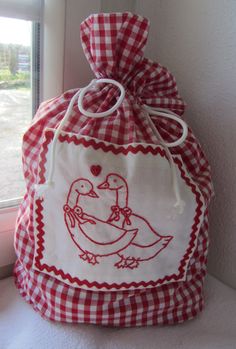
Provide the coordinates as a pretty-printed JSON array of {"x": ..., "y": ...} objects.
[{"x": 15, "y": 31}]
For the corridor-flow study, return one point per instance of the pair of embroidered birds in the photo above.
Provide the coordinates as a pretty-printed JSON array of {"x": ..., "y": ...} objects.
[{"x": 125, "y": 233}]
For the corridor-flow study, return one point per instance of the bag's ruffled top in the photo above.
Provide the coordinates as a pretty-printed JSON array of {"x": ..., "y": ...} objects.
[{"x": 114, "y": 44}]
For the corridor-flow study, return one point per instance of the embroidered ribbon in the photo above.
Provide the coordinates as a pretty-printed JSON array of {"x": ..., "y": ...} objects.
[
  {"x": 76, "y": 214},
  {"x": 69, "y": 212},
  {"x": 118, "y": 211}
]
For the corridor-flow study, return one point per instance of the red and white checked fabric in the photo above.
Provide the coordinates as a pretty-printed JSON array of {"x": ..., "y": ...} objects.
[{"x": 114, "y": 44}]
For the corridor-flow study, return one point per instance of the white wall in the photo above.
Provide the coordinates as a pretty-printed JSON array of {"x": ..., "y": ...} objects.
[
  {"x": 118, "y": 5},
  {"x": 77, "y": 72},
  {"x": 196, "y": 40}
]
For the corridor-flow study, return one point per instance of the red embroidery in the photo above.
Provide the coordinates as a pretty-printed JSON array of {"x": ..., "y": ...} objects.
[
  {"x": 117, "y": 211},
  {"x": 82, "y": 233},
  {"x": 65, "y": 276},
  {"x": 123, "y": 216},
  {"x": 129, "y": 262},
  {"x": 124, "y": 262},
  {"x": 96, "y": 170},
  {"x": 76, "y": 214},
  {"x": 92, "y": 241}
]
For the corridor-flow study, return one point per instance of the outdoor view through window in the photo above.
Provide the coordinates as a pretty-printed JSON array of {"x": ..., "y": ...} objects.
[{"x": 15, "y": 102}]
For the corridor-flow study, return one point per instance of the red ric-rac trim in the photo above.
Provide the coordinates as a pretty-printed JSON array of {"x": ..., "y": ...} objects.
[
  {"x": 95, "y": 144},
  {"x": 116, "y": 150}
]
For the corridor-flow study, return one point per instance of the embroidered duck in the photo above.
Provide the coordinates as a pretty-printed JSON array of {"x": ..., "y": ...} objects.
[
  {"x": 80, "y": 187},
  {"x": 93, "y": 236},
  {"x": 147, "y": 243}
]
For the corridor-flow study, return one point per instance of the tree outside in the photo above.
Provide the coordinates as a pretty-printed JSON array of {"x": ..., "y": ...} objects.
[{"x": 14, "y": 66}]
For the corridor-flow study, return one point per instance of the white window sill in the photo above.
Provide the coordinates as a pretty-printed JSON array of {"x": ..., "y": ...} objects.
[{"x": 7, "y": 227}]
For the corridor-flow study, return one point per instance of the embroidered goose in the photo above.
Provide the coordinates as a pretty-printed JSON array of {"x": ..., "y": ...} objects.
[
  {"x": 94, "y": 237},
  {"x": 147, "y": 243},
  {"x": 80, "y": 187}
]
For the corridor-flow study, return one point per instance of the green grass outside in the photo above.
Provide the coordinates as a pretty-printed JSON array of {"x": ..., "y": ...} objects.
[{"x": 18, "y": 80}]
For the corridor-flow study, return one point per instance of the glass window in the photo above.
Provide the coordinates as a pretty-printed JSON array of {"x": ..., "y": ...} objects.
[{"x": 19, "y": 98}]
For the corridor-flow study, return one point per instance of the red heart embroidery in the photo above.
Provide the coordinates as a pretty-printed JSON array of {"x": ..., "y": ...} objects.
[{"x": 96, "y": 170}]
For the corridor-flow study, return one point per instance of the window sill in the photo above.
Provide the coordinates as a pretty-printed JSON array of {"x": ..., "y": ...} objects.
[
  {"x": 6, "y": 271},
  {"x": 7, "y": 227}
]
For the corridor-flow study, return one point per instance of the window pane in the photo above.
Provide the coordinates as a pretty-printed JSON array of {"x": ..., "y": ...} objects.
[{"x": 15, "y": 102}]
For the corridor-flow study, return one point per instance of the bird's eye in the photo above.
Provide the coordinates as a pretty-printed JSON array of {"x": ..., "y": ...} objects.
[
  {"x": 115, "y": 180},
  {"x": 82, "y": 185}
]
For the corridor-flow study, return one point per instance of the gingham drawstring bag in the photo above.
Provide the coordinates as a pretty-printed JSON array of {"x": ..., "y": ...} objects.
[{"x": 113, "y": 228}]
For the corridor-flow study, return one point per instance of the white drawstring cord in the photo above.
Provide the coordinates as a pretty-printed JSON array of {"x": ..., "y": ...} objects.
[
  {"x": 150, "y": 111},
  {"x": 107, "y": 112},
  {"x": 169, "y": 115}
]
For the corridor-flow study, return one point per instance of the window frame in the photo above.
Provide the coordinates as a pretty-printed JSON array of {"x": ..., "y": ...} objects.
[
  {"x": 47, "y": 82},
  {"x": 36, "y": 65},
  {"x": 9, "y": 208}
]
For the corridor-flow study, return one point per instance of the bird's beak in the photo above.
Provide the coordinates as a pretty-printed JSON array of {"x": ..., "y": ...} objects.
[
  {"x": 104, "y": 185},
  {"x": 93, "y": 194}
]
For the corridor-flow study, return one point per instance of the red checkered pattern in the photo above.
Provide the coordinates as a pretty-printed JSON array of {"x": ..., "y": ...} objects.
[{"x": 113, "y": 45}]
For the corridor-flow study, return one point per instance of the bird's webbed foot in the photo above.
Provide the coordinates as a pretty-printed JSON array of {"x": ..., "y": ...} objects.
[
  {"x": 89, "y": 257},
  {"x": 129, "y": 263}
]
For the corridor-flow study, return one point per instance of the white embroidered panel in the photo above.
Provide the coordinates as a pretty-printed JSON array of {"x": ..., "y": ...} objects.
[{"x": 109, "y": 221}]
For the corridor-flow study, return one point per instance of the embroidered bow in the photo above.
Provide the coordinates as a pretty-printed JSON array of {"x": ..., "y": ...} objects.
[
  {"x": 76, "y": 213},
  {"x": 70, "y": 213},
  {"x": 118, "y": 211}
]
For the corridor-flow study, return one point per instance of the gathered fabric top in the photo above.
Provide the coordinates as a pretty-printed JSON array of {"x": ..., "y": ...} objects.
[{"x": 114, "y": 44}]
